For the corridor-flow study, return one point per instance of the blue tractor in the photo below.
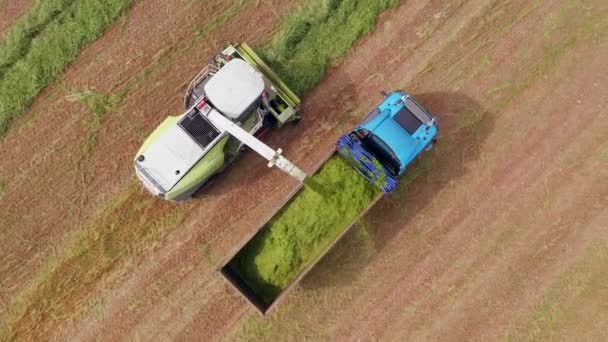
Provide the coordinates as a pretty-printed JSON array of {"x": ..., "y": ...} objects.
[{"x": 388, "y": 139}]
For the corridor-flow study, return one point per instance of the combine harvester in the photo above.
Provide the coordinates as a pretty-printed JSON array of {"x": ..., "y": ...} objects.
[{"x": 232, "y": 101}]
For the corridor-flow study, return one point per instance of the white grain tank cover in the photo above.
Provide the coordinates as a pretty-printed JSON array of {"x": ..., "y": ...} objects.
[{"x": 235, "y": 88}]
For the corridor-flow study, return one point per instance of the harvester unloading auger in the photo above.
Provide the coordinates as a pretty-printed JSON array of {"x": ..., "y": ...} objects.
[{"x": 229, "y": 105}]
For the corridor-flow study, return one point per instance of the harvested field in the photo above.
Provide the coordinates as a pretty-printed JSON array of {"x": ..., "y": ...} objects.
[{"x": 499, "y": 233}]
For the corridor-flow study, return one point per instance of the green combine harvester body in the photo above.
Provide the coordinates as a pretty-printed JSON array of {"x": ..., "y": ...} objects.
[{"x": 184, "y": 152}]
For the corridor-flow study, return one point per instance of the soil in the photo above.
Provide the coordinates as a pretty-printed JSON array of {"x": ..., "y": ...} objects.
[
  {"x": 11, "y": 11},
  {"x": 501, "y": 220}
]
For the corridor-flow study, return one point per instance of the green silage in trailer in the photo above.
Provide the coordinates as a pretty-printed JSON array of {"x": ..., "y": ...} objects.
[
  {"x": 322, "y": 32},
  {"x": 303, "y": 230}
]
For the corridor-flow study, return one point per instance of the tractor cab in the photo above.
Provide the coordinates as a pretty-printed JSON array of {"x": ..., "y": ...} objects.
[
  {"x": 397, "y": 131},
  {"x": 388, "y": 139}
]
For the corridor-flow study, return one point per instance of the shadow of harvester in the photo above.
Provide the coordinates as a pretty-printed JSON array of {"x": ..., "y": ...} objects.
[{"x": 464, "y": 126}]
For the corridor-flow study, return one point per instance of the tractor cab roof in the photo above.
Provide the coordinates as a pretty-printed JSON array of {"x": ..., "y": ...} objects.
[
  {"x": 235, "y": 88},
  {"x": 402, "y": 125}
]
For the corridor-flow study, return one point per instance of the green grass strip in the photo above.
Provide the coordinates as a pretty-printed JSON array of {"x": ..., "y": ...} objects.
[
  {"x": 322, "y": 32},
  {"x": 43, "y": 43},
  {"x": 19, "y": 38},
  {"x": 303, "y": 229}
]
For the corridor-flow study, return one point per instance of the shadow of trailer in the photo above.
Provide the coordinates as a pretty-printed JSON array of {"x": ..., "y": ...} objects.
[{"x": 234, "y": 278}]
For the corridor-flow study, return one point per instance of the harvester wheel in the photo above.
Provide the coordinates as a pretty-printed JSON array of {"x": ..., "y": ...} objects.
[
  {"x": 270, "y": 121},
  {"x": 202, "y": 189},
  {"x": 296, "y": 120}
]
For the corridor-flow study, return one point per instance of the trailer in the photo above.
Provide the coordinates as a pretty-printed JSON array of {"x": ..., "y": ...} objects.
[{"x": 379, "y": 149}]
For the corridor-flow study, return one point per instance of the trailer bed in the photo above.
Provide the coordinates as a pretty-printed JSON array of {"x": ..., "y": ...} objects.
[{"x": 258, "y": 296}]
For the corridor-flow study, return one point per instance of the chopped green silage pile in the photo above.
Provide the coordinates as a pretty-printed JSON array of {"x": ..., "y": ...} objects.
[{"x": 303, "y": 229}]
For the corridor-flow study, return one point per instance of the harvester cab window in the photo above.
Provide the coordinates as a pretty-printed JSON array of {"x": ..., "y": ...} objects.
[{"x": 199, "y": 129}]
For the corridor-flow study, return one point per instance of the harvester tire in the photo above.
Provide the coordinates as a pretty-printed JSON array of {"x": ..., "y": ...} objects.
[
  {"x": 201, "y": 191},
  {"x": 296, "y": 120}
]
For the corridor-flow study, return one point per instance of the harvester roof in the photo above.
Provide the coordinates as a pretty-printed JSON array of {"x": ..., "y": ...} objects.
[{"x": 235, "y": 88}]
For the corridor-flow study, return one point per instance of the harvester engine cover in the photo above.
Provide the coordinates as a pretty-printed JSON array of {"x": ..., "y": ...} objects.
[{"x": 235, "y": 89}]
